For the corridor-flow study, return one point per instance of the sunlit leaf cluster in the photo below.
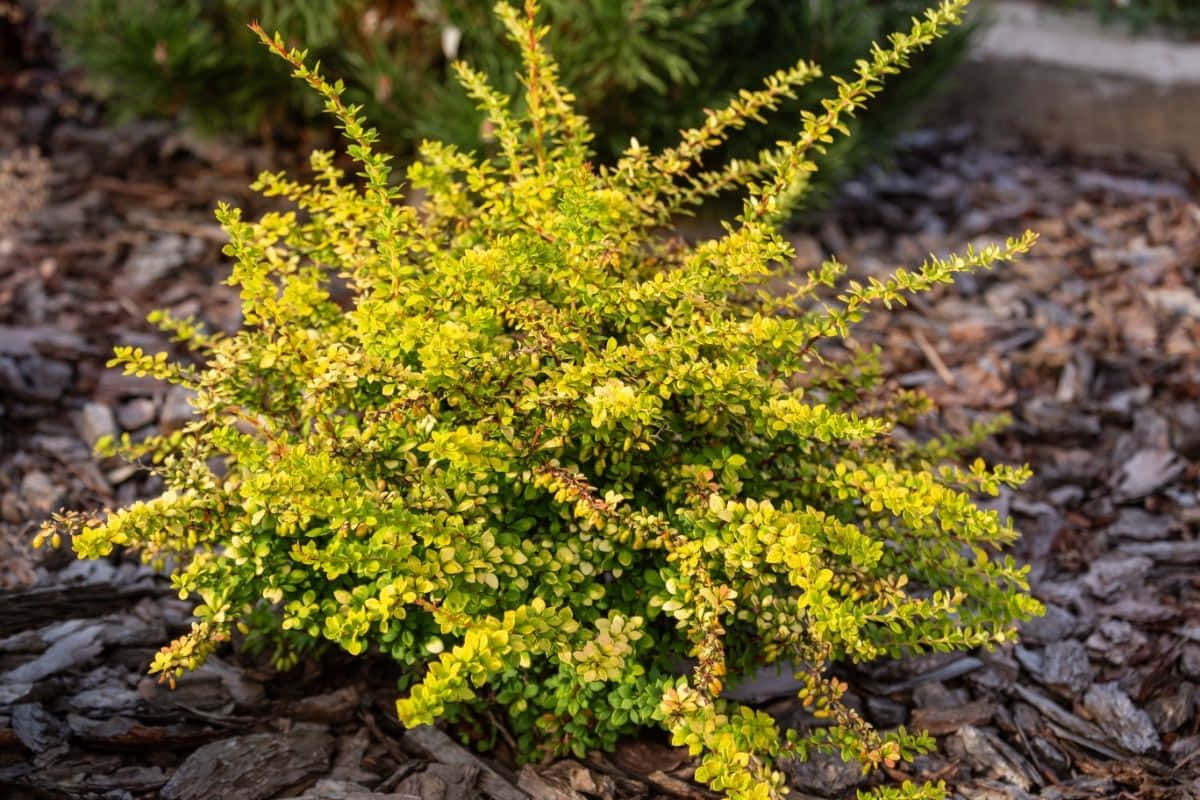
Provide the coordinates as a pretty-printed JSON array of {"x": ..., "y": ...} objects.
[{"x": 498, "y": 422}]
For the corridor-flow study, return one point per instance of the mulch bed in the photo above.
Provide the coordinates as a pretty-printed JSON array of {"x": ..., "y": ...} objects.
[{"x": 1091, "y": 344}]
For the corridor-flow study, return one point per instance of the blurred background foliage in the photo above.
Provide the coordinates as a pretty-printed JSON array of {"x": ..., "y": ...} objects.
[{"x": 643, "y": 68}]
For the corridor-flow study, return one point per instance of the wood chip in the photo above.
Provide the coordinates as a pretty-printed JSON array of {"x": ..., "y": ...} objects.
[
  {"x": 443, "y": 749},
  {"x": 252, "y": 767},
  {"x": 941, "y": 721}
]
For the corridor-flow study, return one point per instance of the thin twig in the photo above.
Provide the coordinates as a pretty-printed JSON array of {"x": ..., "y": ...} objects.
[{"x": 934, "y": 359}]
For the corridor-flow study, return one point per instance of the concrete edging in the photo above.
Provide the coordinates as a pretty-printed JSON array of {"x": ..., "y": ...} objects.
[{"x": 1064, "y": 80}]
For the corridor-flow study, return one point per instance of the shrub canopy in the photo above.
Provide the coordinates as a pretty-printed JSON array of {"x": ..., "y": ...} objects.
[{"x": 543, "y": 453}]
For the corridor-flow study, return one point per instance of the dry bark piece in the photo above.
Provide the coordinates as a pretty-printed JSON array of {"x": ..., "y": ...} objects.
[
  {"x": 336, "y": 789},
  {"x": 935, "y": 695},
  {"x": 1062, "y": 666},
  {"x": 941, "y": 721},
  {"x": 237, "y": 685},
  {"x": 194, "y": 692},
  {"x": 251, "y": 767},
  {"x": 330, "y": 709},
  {"x": 1146, "y": 472},
  {"x": 1122, "y": 404},
  {"x": 1056, "y": 714},
  {"x": 136, "y": 413},
  {"x": 989, "y": 755},
  {"x": 991, "y": 790},
  {"x": 627, "y": 787},
  {"x": 1174, "y": 300},
  {"x": 1116, "y": 641},
  {"x": 1091, "y": 180},
  {"x": 1167, "y": 552},
  {"x": 1055, "y": 625},
  {"x": 177, "y": 409},
  {"x": 1116, "y": 714},
  {"x": 1185, "y": 429},
  {"x": 1115, "y": 572},
  {"x": 1189, "y": 660},
  {"x": 1140, "y": 611},
  {"x": 1085, "y": 787},
  {"x": 44, "y": 340},
  {"x": 951, "y": 668},
  {"x": 1170, "y": 712},
  {"x": 444, "y": 750},
  {"x": 438, "y": 782},
  {"x": 126, "y": 733},
  {"x": 669, "y": 784},
  {"x": 112, "y": 385},
  {"x": 1189, "y": 632},
  {"x": 130, "y": 630},
  {"x": 95, "y": 421},
  {"x": 22, "y": 610},
  {"x": 105, "y": 700},
  {"x": 131, "y": 779},
  {"x": 824, "y": 773},
  {"x": 1184, "y": 747},
  {"x": 13, "y": 693},
  {"x": 72, "y": 650},
  {"x": 769, "y": 682},
  {"x": 66, "y": 449},
  {"x": 1047, "y": 754},
  {"x": 999, "y": 672},
  {"x": 539, "y": 787},
  {"x": 885, "y": 713},
  {"x": 347, "y": 764},
  {"x": 34, "y": 379},
  {"x": 1058, "y": 422},
  {"x": 641, "y": 757},
  {"x": 158, "y": 258},
  {"x": 38, "y": 729},
  {"x": 581, "y": 779},
  {"x": 40, "y": 492}
]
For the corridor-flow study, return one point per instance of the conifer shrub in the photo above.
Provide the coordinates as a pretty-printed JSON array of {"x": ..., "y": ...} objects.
[
  {"x": 643, "y": 68},
  {"x": 552, "y": 458}
]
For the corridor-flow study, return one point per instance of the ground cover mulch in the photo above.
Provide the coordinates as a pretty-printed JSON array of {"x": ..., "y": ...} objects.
[{"x": 1091, "y": 345}]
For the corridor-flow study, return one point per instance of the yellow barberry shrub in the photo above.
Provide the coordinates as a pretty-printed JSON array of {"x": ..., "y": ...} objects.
[{"x": 538, "y": 443}]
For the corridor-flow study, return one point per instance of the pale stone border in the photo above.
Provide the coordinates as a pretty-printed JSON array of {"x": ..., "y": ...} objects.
[{"x": 1064, "y": 81}]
